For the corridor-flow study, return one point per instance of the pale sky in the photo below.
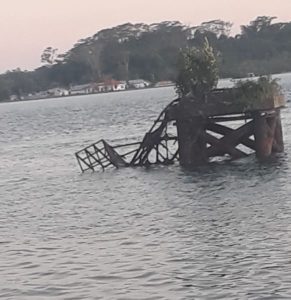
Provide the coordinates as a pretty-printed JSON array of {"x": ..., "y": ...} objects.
[{"x": 27, "y": 27}]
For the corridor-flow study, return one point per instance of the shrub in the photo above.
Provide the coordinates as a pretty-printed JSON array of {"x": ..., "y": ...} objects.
[{"x": 197, "y": 71}]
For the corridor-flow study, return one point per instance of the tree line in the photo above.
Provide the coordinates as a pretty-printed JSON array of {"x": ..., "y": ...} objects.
[{"x": 132, "y": 51}]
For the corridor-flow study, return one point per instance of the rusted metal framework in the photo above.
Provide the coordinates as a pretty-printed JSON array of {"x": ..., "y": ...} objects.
[
  {"x": 159, "y": 146},
  {"x": 194, "y": 131}
]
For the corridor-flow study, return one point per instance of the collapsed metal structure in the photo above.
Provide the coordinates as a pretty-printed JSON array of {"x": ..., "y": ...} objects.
[
  {"x": 159, "y": 146},
  {"x": 195, "y": 130}
]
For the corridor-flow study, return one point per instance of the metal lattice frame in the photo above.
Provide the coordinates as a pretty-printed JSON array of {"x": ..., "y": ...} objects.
[{"x": 159, "y": 146}]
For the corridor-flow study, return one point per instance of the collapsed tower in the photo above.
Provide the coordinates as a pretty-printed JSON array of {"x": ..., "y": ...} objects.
[{"x": 193, "y": 130}]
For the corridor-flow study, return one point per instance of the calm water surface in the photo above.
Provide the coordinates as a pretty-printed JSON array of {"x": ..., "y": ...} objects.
[{"x": 221, "y": 232}]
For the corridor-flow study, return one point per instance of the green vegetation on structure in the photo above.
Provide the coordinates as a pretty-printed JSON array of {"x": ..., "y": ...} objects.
[
  {"x": 251, "y": 94},
  {"x": 151, "y": 52},
  {"x": 197, "y": 70},
  {"x": 198, "y": 78}
]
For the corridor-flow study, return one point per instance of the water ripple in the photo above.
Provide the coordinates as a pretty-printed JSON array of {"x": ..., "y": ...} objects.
[{"x": 220, "y": 232}]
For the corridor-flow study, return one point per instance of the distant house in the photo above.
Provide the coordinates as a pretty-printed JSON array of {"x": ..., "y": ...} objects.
[
  {"x": 36, "y": 96},
  {"x": 138, "y": 83},
  {"x": 119, "y": 85},
  {"x": 100, "y": 87},
  {"x": 14, "y": 98},
  {"x": 110, "y": 86},
  {"x": 58, "y": 92},
  {"x": 82, "y": 89}
]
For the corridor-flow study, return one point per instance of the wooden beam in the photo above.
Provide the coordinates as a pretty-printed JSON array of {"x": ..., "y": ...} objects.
[
  {"x": 218, "y": 148},
  {"x": 220, "y": 129},
  {"x": 228, "y": 143},
  {"x": 231, "y": 118}
]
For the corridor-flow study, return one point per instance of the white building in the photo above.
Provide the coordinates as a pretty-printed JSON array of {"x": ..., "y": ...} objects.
[
  {"x": 119, "y": 86},
  {"x": 58, "y": 92},
  {"x": 14, "y": 98},
  {"x": 82, "y": 89},
  {"x": 111, "y": 86},
  {"x": 138, "y": 83}
]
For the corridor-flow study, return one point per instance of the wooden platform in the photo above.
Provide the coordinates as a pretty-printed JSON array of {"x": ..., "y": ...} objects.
[
  {"x": 201, "y": 137},
  {"x": 221, "y": 102}
]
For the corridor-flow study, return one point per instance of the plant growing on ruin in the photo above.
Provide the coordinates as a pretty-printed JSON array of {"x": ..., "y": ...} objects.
[
  {"x": 197, "y": 71},
  {"x": 255, "y": 91}
]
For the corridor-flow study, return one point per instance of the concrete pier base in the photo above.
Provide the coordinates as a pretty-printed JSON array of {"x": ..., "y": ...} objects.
[
  {"x": 268, "y": 134},
  {"x": 278, "y": 144},
  {"x": 192, "y": 145}
]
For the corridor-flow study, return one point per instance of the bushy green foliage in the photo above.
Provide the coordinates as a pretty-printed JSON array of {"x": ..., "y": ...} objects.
[
  {"x": 256, "y": 91},
  {"x": 197, "y": 70}
]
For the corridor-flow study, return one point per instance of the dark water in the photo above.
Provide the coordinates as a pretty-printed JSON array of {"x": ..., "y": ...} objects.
[{"x": 222, "y": 232}]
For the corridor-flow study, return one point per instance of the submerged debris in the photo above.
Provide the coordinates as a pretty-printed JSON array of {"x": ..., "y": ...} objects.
[{"x": 159, "y": 146}]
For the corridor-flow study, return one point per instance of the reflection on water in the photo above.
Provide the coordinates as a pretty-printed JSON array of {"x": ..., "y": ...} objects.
[{"x": 219, "y": 232}]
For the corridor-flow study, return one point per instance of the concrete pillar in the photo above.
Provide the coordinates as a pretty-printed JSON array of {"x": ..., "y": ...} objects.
[
  {"x": 278, "y": 143},
  {"x": 192, "y": 145},
  {"x": 264, "y": 130}
]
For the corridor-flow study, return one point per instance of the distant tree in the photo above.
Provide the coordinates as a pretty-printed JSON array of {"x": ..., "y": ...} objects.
[
  {"x": 150, "y": 51},
  {"x": 87, "y": 53},
  {"x": 4, "y": 89},
  {"x": 218, "y": 27},
  {"x": 258, "y": 25},
  {"x": 49, "y": 56},
  {"x": 261, "y": 23},
  {"x": 115, "y": 60}
]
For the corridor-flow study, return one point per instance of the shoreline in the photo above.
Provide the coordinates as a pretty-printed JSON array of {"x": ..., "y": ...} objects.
[
  {"x": 83, "y": 95},
  {"x": 127, "y": 90}
]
